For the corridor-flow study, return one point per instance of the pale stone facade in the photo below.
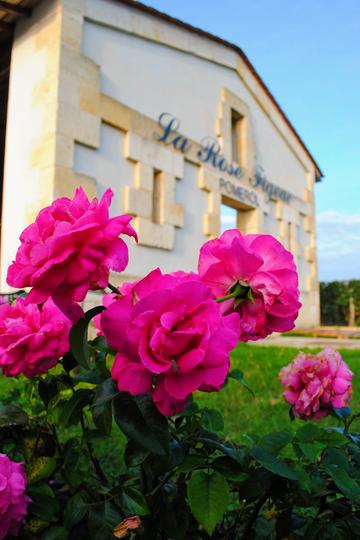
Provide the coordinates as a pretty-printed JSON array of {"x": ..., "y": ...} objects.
[{"x": 89, "y": 82}]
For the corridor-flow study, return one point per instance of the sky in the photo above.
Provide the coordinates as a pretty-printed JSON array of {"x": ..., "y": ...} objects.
[{"x": 308, "y": 54}]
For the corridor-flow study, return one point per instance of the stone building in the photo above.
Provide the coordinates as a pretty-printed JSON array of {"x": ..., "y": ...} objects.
[{"x": 175, "y": 120}]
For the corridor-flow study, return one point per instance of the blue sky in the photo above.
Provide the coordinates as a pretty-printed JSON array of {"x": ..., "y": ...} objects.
[{"x": 308, "y": 53}]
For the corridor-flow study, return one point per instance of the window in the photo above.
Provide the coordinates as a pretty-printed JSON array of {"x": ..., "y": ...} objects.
[
  {"x": 228, "y": 217},
  {"x": 237, "y": 137}
]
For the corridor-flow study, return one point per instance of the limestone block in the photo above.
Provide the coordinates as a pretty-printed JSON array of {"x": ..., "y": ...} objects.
[
  {"x": 144, "y": 176},
  {"x": 208, "y": 180},
  {"x": 154, "y": 235},
  {"x": 211, "y": 224},
  {"x": 309, "y": 225},
  {"x": 138, "y": 202},
  {"x": 82, "y": 126},
  {"x": 174, "y": 214},
  {"x": 151, "y": 153},
  {"x": 66, "y": 181},
  {"x": 43, "y": 151},
  {"x": 310, "y": 253}
]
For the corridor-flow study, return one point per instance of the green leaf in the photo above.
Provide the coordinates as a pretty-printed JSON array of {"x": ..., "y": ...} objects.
[
  {"x": 239, "y": 377},
  {"x": 12, "y": 415},
  {"x": 40, "y": 468},
  {"x": 134, "y": 501},
  {"x": 44, "y": 504},
  {"x": 102, "y": 417},
  {"x": 69, "y": 410},
  {"x": 208, "y": 495},
  {"x": 103, "y": 518},
  {"x": 274, "y": 442},
  {"x": 213, "y": 420},
  {"x": 237, "y": 454},
  {"x": 311, "y": 450},
  {"x": 264, "y": 528},
  {"x": 75, "y": 509},
  {"x": 55, "y": 533},
  {"x": 141, "y": 422},
  {"x": 134, "y": 454},
  {"x": 105, "y": 392},
  {"x": 273, "y": 464},
  {"x": 344, "y": 482},
  {"x": 79, "y": 337},
  {"x": 48, "y": 389},
  {"x": 102, "y": 409}
]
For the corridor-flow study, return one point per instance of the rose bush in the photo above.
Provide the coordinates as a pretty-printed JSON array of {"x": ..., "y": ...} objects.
[
  {"x": 170, "y": 339},
  {"x": 161, "y": 339},
  {"x": 259, "y": 277},
  {"x": 32, "y": 339},
  {"x": 70, "y": 249},
  {"x": 13, "y": 500},
  {"x": 317, "y": 383}
]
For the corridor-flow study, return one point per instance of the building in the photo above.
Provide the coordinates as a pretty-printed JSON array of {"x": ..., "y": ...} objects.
[{"x": 175, "y": 120}]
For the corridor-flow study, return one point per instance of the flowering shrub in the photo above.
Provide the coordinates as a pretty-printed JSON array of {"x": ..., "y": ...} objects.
[
  {"x": 160, "y": 340},
  {"x": 170, "y": 339},
  {"x": 317, "y": 383},
  {"x": 13, "y": 500},
  {"x": 32, "y": 339},
  {"x": 70, "y": 249},
  {"x": 259, "y": 277}
]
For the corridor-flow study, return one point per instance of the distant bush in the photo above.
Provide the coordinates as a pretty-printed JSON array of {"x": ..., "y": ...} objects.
[{"x": 335, "y": 301}]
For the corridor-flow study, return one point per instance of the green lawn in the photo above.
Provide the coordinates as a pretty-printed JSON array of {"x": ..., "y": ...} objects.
[
  {"x": 243, "y": 414},
  {"x": 267, "y": 411}
]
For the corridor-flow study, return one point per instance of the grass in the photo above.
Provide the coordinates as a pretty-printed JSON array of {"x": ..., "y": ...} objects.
[
  {"x": 243, "y": 414},
  {"x": 267, "y": 411}
]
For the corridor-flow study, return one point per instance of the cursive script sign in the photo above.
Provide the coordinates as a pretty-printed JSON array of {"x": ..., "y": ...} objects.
[
  {"x": 272, "y": 191},
  {"x": 210, "y": 152}
]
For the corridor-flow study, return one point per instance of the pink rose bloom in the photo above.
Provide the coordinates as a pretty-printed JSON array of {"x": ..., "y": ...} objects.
[
  {"x": 32, "y": 339},
  {"x": 3, "y": 299},
  {"x": 13, "y": 500},
  {"x": 262, "y": 274},
  {"x": 170, "y": 339},
  {"x": 316, "y": 383},
  {"x": 70, "y": 249}
]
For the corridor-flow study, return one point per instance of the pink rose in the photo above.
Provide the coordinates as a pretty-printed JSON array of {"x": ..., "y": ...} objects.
[
  {"x": 70, "y": 249},
  {"x": 259, "y": 274},
  {"x": 13, "y": 500},
  {"x": 314, "y": 384},
  {"x": 170, "y": 339},
  {"x": 3, "y": 299},
  {"x": 32, "y": 339}
]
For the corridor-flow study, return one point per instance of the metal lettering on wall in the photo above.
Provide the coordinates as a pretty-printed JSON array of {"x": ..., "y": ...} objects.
[
  {"x": 247, "y": 196},
  {"x": 272, "y": 191},
  {"x": 210, "y": 153}
]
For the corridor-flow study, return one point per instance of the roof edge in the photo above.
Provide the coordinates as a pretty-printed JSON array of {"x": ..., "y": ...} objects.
[{"x": 135, "y": 4}]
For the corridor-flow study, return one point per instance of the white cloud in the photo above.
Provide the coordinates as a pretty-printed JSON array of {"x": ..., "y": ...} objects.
[{"x": 338, "y": 245}]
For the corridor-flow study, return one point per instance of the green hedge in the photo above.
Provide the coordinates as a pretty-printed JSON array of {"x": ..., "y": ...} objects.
[{"x": 335, "y": 299}]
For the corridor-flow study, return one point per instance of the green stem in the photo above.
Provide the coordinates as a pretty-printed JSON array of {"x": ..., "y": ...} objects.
[
  {"x": 99, "y": 472},
  {"x": 350, "y": 421},
  {"x": 113, "y": 289},
  {"x": 227, "y": 297}
]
